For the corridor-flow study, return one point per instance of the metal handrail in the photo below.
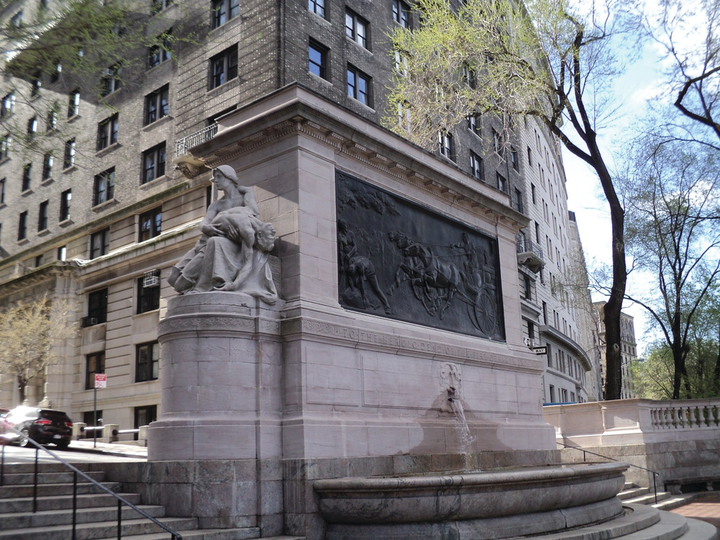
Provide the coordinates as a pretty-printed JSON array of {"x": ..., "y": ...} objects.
[
  {"x": 173, "y": 535},
  {"x": 654, "y": 473}
]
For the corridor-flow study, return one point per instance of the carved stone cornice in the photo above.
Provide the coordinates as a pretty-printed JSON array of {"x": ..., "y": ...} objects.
[{"x": 299, "y": 116}]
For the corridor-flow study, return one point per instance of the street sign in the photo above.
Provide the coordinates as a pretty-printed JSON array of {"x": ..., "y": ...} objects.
[
  {"x": 540, "y": 350},
  {"x": 100, "y": 380}
]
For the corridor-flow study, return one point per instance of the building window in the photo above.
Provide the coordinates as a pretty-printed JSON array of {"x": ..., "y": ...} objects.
[
  {"x": 51, "y": 120},
  {"x": 2, "y": 191},
  {"x": 474, "y": 124},
  {"x": 43, "y": 215},
  {"x": 97, "y": 307},
  {"x": 62, "y": 253},
  {"x": 529, "y": 156},
  {"x": 27, "y": 173},
  {"x": 65, "y": 198},
  {"x": 74, "y": 103},
  {"x": 501, "y": 182},
  {"x": 532, "y": 193},
  {"x": 531, "y": 330},
  {"x": 552, "y": 390},
  {"x": 95, "y": 363},
  {"x": 159, "y": 5},
  {"x": 17, "y": 19},
  {"x": 104, "y": 187},
  {"x": 8, "y": 105},
  {"x": 224, "y": 67},
  {"x": 48, "y": 161},
  {"x": 223, "y": 11},
  {"x": 518, "y": 201},
  {"x": 356, "y": 28},
  {"x": 160, "y": 52},
  {"x": 358, "y": 85},
  {"x": 401, "y": 13},
  {"x": 111, "y": 81},
  {"x": 446, "y": 145},
  {"x": 144, "y": 416},
  {"x": 318, "y": 59},
  {"x": 497, "y": 141},
  {"x": 32, "y": 127},
  {"x": 5, "y": 143},
  {"x": 514, "y": 159},
  {"x": 468, "y": 76},
  {"x": 99, "y": 243},
  {"x": 36, "y": 85},
  {"x": 147, "y": 362},
  {"x": 527, "y": 288},
  {"x": 22, "y": 226},
  {"x": 476, "y": 166},
  {"x": 55, "y": 75},
  {"x": 148, "y": 296},
  {"x": 108, "y": 132},
  {"x": 153, "y": 163},
  {"x": 89, "y": 419},
  {"x": 156, "y": 105},
  {"x": 317, "y": 7},
  {"x": 150, "y": 224},
  {"x": 69, "y": 159}
]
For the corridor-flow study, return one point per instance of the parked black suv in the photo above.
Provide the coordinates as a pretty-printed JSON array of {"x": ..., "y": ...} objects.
[{"x": 41, "y": 425}]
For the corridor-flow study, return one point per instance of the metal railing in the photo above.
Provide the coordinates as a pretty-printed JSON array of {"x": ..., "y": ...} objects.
[
  {"x": 120, "y": 500},
  {"x": 585, "y": 452},
  {"x": 182, "y": 146}
]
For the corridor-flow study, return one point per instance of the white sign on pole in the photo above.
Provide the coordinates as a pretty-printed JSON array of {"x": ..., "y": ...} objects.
[{"x": 100, "y": 380}]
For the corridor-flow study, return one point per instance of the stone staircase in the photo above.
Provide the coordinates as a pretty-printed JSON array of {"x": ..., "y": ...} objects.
[
  {"x": 633, "y": 494},
  {"x": 97, "y": 511}
]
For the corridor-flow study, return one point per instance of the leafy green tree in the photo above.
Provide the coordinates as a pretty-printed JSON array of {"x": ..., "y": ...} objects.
[
  {"x": 672, "y": 213},
  {"x": 29, "y": 332},
  {"x": 545, "y": 59}
]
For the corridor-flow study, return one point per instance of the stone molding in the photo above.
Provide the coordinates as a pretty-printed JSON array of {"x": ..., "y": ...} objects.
[
  {"x": 324, "y": 331},
  {"x": 217, "y": 324}
]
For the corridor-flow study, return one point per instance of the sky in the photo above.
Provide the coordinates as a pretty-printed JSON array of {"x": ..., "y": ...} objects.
[{"x": 585, "y": 197}]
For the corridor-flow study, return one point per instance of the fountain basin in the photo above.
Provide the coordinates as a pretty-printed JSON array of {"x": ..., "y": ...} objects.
[{"x": 485, "y": 504}]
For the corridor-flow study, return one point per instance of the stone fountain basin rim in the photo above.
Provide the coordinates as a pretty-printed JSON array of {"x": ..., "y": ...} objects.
[{"x": 478, "y": 479}]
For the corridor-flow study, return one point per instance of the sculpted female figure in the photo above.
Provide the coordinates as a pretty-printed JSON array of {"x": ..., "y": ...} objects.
[{"x": 232, "y": 252}]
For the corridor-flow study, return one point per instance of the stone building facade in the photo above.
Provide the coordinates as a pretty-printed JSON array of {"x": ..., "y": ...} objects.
[
  {"x": 101, "y": 213},
  {"x": 629, "y": 349}
]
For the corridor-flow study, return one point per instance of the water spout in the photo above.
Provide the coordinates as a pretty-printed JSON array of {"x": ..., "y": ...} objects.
[{"x": 465, "y": 437}]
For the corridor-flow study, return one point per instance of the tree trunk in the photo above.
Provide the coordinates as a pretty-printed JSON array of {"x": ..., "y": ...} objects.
[{"x": 613, "y": 354}]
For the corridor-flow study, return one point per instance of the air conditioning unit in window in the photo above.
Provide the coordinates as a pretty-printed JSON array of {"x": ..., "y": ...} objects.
[
  {"x": 88, "y": 321},
  {"x": 151, "y": 279}
]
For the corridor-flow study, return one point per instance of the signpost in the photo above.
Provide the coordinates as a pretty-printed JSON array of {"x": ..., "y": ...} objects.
[
  {"x": 540, "y": 350},
  {"x": 100, "y": 382}
]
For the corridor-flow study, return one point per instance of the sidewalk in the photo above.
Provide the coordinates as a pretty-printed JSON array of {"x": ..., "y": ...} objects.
[
  {"x": 109, "y": 449},
  {"x": 705, "y": 508}
]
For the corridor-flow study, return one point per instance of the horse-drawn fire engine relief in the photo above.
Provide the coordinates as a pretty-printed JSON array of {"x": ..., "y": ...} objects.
[{"x": 401, "y": 260}]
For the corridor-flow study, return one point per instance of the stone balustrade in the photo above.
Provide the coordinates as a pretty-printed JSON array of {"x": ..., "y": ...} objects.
[
  {"x": 685, "y": 414},
  {"x": 631, "y": 421}
]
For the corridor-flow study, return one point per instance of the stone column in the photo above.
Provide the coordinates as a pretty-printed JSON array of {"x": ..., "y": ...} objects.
[{"x": 221, "y": 407}]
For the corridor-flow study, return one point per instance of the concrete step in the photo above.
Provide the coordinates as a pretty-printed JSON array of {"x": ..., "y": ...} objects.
[
  {"x": 24, "y": 479},
  {"x": 101, "y": 530},
  {"x": 648, "y": 498},
  {"x": 675, "y": 501},
  {"x": 700, "y": 530},
  {"x": 214, "y": 534},
  {"x": 634, "y": 519},
  {"x": 60, "y": 502},
  {"x": 670, "y": 527},
  {"x": 50, "y": 490},
  {"x": 50, "y": 518},
  {"x": 50, "y": 466},
  {"x": 632, "y": 493}
]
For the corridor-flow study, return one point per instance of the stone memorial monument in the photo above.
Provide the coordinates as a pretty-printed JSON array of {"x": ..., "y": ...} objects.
[{"x": 387, "y": 342}]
